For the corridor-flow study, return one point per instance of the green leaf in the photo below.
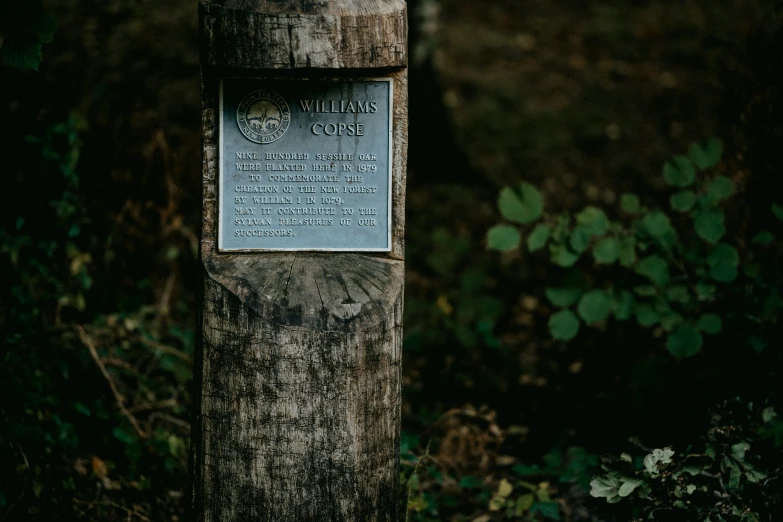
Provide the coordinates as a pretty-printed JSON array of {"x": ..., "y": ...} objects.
[
  {"x": 605, "y": 486},
  {"x": 778, "y": 211},
  {"x": 538, "y": 237},
  {"x": 682, "y": 201},
  {"x": 549, "y": 510},
  {"x": 629, "y": 484},
  {"x": 706, "y": 155},
  {"x": 579, "y": 239},
  {"x": 623, "y": 305},
  {"x": 738, "y": 450},
  {"x": 630, "y": 203},
  {"x": 684, "y": 342},
  {"x": 563, "y": 297},
  {"x": 763, "y": 238},
  {"x": 678, "y": 294},
  {"x": 81, "y": 408},
  {"x": 594, "y": 306},
  {"x": 710, "y": 324},
  {"x": 524, "y": 470},
  {"x": 564, "y": 325},
  {"x": 646, "y": 316},
  {"x": 679, "y": 172},
  {"x": 524, "y": 503},
  {"x": 22, "y": 55},
  {"x": 627, "y": 251},
  {"x": 524, "y": 206},
  {"x": 723, "y": 273},
  {"x": 718, "y": 189},
  {"x": 723, "y": 254},
  {"x": 705, "y": 291},
  {"x": 757, "y": 343},
  {"x": 655, "y": 268},
  {"x": 670, "y": 320},
  {"x": 593, "y": 220},
  {"x": 44, "y": 26},
  {"x": 561, "y": 256},
  {"x": 657, "y": 224},
  {"x": 124, "y": 436},
  {"x": 469, "y": 482},
  {"x": 709, "y": 225},
  {"x": 645, "y": 290},
  {"x": 503, "y": 238},
  {"x": 606, "y": 251}
]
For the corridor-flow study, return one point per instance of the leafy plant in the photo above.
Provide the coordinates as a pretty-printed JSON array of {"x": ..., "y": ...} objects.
[
  {"x": 24, "y": 28},
  {"x": 528, "y": 495},
  {"x": 669, "y": 269},
  {"x": 728, "y": 481},
  {"x": 466, "y": 310},
  {"x": 92, "y": 404}
]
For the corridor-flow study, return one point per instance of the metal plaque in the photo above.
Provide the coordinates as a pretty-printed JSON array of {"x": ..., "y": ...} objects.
[{"x": 305, "y": 165}]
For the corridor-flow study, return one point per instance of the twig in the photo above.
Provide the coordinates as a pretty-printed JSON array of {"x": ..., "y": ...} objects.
[
  {"x": 413, "y": 473},
  {"x": 170, "y": 418},
  {"x": 111, "y": 504},
  {"x": 166, "y": 349},
  {"x": 119, "y": 363},
  {"x": 170, "y": 350},
  {"x": 168, "y": 288},
  {"x": 87, "y": 341},
  {"x": 168, "y": 403}
]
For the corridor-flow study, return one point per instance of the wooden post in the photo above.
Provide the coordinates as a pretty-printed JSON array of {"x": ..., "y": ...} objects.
[{"x": 298, "y": 370}]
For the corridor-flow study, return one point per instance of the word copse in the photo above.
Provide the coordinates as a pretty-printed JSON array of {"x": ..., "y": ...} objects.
[{"x": 305, "y": 165}]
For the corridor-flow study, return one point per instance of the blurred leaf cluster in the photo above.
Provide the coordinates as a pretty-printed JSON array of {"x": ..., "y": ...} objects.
[
  {"x": 671, "y": 269},
  {"x": 734, "y": 478},
  {"x": 466, "y": 313},
  {"x": 24, "y": 27},
  {"x": 95, "y": 392},
  {"x": 445, "y": 480}
]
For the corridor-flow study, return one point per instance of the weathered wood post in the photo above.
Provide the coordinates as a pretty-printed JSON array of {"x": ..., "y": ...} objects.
[{"x": 304, "y": 111}]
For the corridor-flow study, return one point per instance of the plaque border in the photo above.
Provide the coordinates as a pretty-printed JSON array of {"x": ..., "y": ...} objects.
[{"x": 390, "y": 162}]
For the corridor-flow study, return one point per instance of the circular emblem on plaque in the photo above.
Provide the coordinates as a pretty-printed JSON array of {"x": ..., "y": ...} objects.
[{"x": 263, "y": 116}]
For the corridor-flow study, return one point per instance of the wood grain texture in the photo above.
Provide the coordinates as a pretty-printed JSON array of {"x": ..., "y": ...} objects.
[
  {"x": 300, "y": 388},
  {"x": 290, "y": 34},
  {"x": 298, "y": 370}
]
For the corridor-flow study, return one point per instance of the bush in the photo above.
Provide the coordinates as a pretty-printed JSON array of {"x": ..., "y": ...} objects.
[
  {"x": 678, "y": 270},
  {"x": 735, "y": 478}
]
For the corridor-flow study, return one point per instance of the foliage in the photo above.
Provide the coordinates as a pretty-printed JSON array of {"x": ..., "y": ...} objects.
[
  {"x": 735, "y": 478},
  {"x": 669, "y": 270},
  {"x": 466, "y": 311},
  {"x": 523, "y": 498},
  {"x": 24, "y": 28},
  {"x": 438, "y": 485},
  {"x": 98, "y": 400}
]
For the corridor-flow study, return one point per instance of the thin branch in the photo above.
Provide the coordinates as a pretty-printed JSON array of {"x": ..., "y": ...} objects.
[
  {"x": 87, "y": 341},
  {"x": 111, "y": 504},
  {"x": 166, "y": 349},
  {"x": 168, "y": 403},
  {"x": 170, "y": 418}
]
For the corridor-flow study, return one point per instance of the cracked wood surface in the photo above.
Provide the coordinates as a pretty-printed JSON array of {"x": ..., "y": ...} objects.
[
  {"x": 298, "y": 368},
  {"x": 328, "y": 34}
]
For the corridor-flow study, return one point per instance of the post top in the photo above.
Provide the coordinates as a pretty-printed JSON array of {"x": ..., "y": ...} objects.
[
  {"x": 312, "y": 7},
  {"x": 295, "y": 34}
]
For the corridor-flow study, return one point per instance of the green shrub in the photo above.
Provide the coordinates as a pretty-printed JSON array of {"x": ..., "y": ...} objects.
[
  {"x": 675, "y": 269},
  {"x": 24, "y": 27},
  {"x": 735, "y": 478}
]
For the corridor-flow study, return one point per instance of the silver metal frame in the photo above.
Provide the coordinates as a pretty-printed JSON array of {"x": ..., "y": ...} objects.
[{"x": 390, "y": 162}]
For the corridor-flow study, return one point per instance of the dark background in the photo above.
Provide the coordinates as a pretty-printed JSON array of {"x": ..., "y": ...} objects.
[{"x": 100, "y": 164}]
